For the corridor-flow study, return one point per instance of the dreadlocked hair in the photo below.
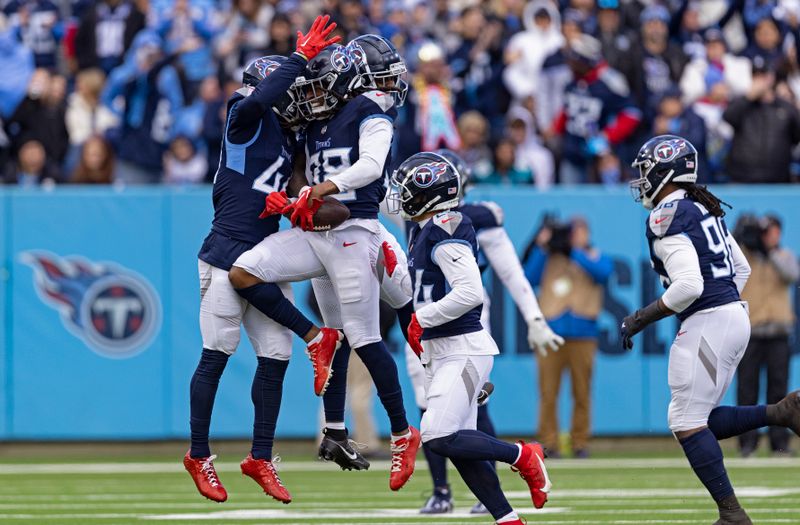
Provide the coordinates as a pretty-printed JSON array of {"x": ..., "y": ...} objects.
[{"x": 701, "y": 195}]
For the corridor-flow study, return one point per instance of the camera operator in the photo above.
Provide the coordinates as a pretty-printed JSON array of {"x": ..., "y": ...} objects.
[
  {"x": 774, "y": 270},
  {"x": 570, "y": 274}
]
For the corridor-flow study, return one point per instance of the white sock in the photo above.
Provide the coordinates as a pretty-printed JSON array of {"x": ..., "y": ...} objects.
[
  {"x": 338, "y": 425},
  {"x": 519, "y": 455},
  {"x": 317, "y": 339},
  {"x": 508, "y": 518},
  {"x": 404, "y": 436}
]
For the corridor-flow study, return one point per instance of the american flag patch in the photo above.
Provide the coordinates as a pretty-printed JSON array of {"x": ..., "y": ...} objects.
[
  {"x": 690, "y": 164},
  {"x": 452, "y": 191}
]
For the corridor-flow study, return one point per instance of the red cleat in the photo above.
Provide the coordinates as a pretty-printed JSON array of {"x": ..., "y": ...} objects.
[
  {"x": 205, "y": 477},
  {"x": 264, "y": 473},
  {"x": 404, "y": 455},
  {"x": 517, "y": 521},
  {"x": 321, "y": 351},
  {"x": 530, "y": 466}
]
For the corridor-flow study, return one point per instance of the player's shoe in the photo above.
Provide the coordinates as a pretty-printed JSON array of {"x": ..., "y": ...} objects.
[
  {"x": 743, "y": 521},
  {"x": 404, "y": 456},
  {"x": 205, "y": 477},
  {"x": 531, "y": 468},
  {"x": 479, "y": 508},
  {"x": 321, "y": 351},
  {"x": 440, "y": 502},
  {"x": 341, "y": 452},
  {"x": 787, "y": 412},
  {"x": 518, "y": 521},
  {"x": 263, "y": 472}
]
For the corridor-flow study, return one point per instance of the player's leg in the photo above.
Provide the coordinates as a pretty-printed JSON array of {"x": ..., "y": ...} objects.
[
  {"x": 702, "y": 361},
  {"x": 448, "y": 428},
  {"x": 286, "y": 256},
  {"x": 747, "y": 389},
  {"x": 273, "y": 347},
  {"x": 777, "y": 387},
  {"x": 221, "y": 311},
  {"x": 550, "y": 367},
  {"x": 581, "y": 361},
  {"x": 336, "y": 444},
  {"x": 350, "y": 256}
]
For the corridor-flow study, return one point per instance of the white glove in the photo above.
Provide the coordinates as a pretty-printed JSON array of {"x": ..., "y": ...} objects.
[{"x": 541, "y": 338}]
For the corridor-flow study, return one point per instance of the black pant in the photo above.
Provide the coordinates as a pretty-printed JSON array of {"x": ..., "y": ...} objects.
[{"x": 772, "y": 352}]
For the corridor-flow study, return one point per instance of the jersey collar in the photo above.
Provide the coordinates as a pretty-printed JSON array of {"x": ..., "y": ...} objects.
[{"x": 675, "y": 195}]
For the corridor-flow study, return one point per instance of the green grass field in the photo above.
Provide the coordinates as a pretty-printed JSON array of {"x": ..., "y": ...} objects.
[{"x": 154, "y": 489}]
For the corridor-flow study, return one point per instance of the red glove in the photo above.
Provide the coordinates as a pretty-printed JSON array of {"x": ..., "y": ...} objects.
[
  {"x": 276, "y": 202},
  {"x": 389, "y": 258},
  {"x": 414, "y": 335},
  {"x": 303, "y": 209},
  {"x": 310, "y": 44}
]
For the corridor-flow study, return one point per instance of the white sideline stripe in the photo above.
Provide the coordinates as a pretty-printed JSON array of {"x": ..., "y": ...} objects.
[
  {"x": 38, "y": 518},
  {"x": 319, "y": 466},
  {"x": 747, "y": 492},
  {"x": 282, "y": 514}
]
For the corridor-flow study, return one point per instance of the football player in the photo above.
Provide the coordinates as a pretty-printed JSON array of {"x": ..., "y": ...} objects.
[
  {"x": 347, "y": 151},
  {"x": 703, "y": 270},
  {"x": 495, "y": 249},
  {"x": 446, "y": 333},
  {"x": 257, "y": 156}
]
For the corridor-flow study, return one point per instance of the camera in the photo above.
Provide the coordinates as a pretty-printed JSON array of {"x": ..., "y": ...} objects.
[
  {"x": 749, "y": 231},
  {"x": 560, "y": 235}
]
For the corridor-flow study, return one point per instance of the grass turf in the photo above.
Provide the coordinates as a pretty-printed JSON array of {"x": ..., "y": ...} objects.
[{"x": 155, "y": 490}]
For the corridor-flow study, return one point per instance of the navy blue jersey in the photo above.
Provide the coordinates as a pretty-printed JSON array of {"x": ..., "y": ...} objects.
[
  {"x": 256, "y": 159},
  {"x": 332, "y": 147},
  {"x": 709, "y": 237},
  {"x": 483, "y": 215},
  {"x": 428, "y": 280}
]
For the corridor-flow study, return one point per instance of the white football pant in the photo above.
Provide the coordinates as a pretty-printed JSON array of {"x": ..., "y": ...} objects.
[
  {"x": 223, "y": 311},
  {"x": 702, "y": 361}
]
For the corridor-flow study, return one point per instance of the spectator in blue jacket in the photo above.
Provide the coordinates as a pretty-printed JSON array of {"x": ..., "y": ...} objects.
[{"x": 570, "y": 275}]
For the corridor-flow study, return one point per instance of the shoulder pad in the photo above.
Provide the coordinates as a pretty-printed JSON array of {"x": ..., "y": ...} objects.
[
  {"x": 615, "y": 82},
  {"x": 496, "y": 210},
  {"x": 662, "y": 218},
  {"x": 448, "y": 221},
  {"x": 383, "y": 100},
  {"x": 700, "y": 207}
]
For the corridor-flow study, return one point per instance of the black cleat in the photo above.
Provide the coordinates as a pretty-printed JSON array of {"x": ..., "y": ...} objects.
[
  {"x": 486, "y": 391},
  {"x": 341, "y": 452},
  {"x": 731, "y": 513},
  {"x": 787, "y": 412}
]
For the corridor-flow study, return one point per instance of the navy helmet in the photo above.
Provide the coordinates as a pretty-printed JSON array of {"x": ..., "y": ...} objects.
[
  {"x": 379, "y": 66},
  {"x": 661, "y": 160},
  {"x": 461, "y": 167},
  {"x": 259, "y": 69},
  {"x": 425, "y": 182},
  {"x": 325, "y": 83}
]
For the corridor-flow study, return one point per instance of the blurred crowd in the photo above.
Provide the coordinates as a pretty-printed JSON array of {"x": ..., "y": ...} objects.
[{"x": 540, "y": 92}]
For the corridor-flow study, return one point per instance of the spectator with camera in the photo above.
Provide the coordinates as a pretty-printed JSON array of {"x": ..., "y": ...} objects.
[
  {"x": 775, "y": 270},
  {"x": 570, "y": 274}
]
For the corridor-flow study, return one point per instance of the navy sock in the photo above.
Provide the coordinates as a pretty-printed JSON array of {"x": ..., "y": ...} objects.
[
  {"x": 437, "y": 465},
  {"x": 383, "y": 370},
  {"x": 202, "y": 391},
  {"x": 266, "y": 394},
  {"x": 481, "y": 478},
  {"x": 705, "y": 456},
  {"x": 404, "y": 317},
  {"x": 474, "y": 445},
  {"x": 269, "y": 300},
  {"x": 485, "y": 424},
  {"x": 335, "y": 395},
  {"x": 727, "y": 422}
]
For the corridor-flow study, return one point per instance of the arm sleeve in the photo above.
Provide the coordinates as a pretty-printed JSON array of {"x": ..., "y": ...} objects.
[
  {"x": 501, "y": 255},
  {"x": 786, "y": 264},
  {"x": 458, "y": 264},
  {"x": 598, "y": 266},
  {"x": 741, "y": 267},
  {"x": 374, "y": 142},
  {"x": 250, "y": 109},
  {"x": 534, "y": 266},
  {"x": 683, "y": 268}
]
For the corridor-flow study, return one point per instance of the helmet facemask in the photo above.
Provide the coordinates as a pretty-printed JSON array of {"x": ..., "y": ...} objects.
[{"x": 314, "y": 98}]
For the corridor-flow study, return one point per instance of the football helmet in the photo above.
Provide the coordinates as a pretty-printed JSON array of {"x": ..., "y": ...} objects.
[
  {"x": 379, "y": 66},
  {"x": 325, "y": 83},
  {"x": 425, "y": 182},
  {"x": 461, "y": 166},
  {"x": 259, "y": 69},
  {"x": 662, "y": 159}
]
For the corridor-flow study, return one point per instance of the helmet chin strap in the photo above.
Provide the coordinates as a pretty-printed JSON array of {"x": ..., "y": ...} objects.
[{"x": 649, "y": 202}]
